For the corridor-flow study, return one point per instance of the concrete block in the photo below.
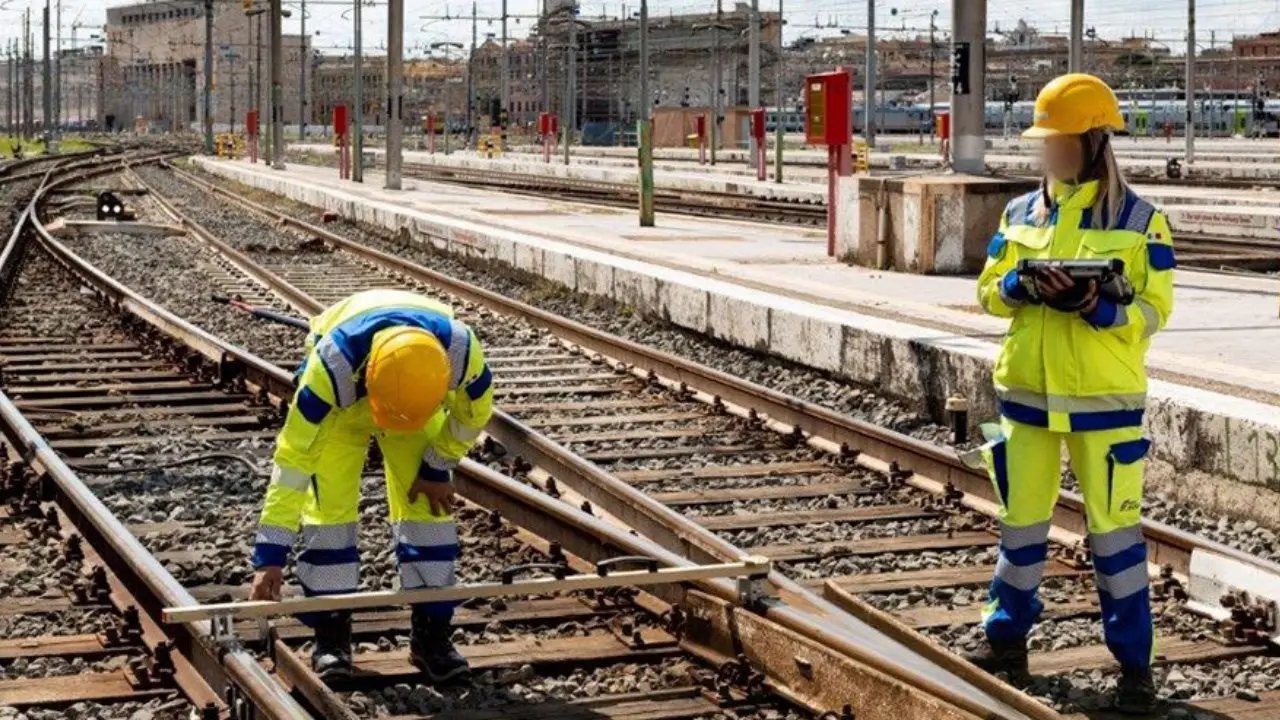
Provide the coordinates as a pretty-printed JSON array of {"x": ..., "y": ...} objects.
[
  {"x": 636, "y": 290},
  {"x": 529, "y": 259},
  {"x": 683, "y": 305},
  {"x": 503, "y": 250},
  {"x": 816, "y": 342},
  {"x": 594, "y": 278},
  {"x": 862, "y": 360},
  {"x": 559, "y": 267},
  {"x": 739, "y": 321},
  {"x": 949, "y": 230},
  {"x": 848, "y": 219}
]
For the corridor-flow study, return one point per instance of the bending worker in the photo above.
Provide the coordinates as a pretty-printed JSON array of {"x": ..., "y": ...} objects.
[
  {"x": 397, "y": 367},
  {"x": 1072, "y": 369}
]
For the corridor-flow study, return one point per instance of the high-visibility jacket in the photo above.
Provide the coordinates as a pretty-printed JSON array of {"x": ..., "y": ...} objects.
[
  {"x": 331, "y": 396},
  {"x": 1075, "y": 371}
]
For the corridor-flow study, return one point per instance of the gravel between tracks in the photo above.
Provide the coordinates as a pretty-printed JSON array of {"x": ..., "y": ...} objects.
[{"x": 157, "y": 709}]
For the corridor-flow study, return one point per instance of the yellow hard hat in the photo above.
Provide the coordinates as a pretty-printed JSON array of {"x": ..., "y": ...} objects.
[
  {"x": 407, "y": 378},
  {"x": 1074, "y": 104}
]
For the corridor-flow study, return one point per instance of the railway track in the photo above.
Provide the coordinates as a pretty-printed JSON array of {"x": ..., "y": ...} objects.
[
  {"x": 886, "y": 527},
  {"x": 138, "y": 446}
]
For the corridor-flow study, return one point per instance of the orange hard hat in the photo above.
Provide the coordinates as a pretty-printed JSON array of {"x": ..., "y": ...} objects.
[{"x": 407, "y": 378}]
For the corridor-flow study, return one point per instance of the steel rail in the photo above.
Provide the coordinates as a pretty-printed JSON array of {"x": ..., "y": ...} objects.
[
  {"x": 925, "y": 666},
  {"x": 229, "y": 670}
]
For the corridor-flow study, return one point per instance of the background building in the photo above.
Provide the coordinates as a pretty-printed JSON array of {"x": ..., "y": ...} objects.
[{"x": 155, "y": 64}]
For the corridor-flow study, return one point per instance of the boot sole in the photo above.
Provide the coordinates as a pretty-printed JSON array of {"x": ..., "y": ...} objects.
[
  {"x": 458, "y": 672},
  {"x": 338, "y": 673}
]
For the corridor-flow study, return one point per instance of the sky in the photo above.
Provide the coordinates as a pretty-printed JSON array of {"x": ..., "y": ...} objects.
[{"x": 1216, "y": 20}]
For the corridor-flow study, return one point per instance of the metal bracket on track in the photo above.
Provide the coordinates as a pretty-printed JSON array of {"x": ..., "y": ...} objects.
[{"x": 1240, "y": 594}]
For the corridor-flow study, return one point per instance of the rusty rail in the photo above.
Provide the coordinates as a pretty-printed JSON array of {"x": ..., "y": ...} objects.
[{"x": 229, "y": 670}]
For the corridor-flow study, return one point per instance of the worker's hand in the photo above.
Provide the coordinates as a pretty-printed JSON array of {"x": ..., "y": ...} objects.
[
  {"x": 267, "y": 583},
  {"x": 439, "y": 495},
  {"x": 1090, "y": 298},
  {"x": 1052, "y": 282}
]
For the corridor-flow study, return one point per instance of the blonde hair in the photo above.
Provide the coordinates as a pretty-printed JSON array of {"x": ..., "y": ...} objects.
[{"x": 1112, "y": 188}]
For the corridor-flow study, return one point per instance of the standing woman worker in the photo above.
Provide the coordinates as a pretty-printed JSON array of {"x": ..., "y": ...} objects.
[{"x": 1072, "y": 369}]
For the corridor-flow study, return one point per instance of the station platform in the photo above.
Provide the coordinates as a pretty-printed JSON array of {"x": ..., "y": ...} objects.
[
  {"x": 1215, "y": 393},
  {"x": 1240, "y": 213}
]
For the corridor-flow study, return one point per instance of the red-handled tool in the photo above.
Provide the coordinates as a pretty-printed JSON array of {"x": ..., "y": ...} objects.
[{"x": 263, "y": 313}]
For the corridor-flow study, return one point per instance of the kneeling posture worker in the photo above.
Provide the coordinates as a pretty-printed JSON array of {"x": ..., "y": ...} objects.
[
  {"x": 396, "y": 367},
  {"x": 1072, "y": 369}
]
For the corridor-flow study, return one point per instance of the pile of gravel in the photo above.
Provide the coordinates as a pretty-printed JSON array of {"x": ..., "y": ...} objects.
[{"x": 157, "y": 709}]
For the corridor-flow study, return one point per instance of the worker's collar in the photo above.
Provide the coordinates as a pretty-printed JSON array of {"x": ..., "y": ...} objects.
[{"x": 1073, "y": 196}]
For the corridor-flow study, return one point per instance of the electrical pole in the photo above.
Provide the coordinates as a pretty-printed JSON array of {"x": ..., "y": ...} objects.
[
  {"x": 1075, "y": 52},
  {"x": 544, "y": 52},
  {"x": 504, "y": 87},
  {"x": 471, "y": 78},
  {"x": 46, "y": 85},
  {"x": 643, "y": 131},
  {"x": 933, "y": 54},
  {"x": 753, "y": 72},
  {"x": 395, "y": 88},
  {"x": 869, "y": 84},
  {"x": 779, "y": 131},
  {"x": 569, "y": 78},
  {"x": 304, "y": 59},
  {"x": 208, "y": 77},
  {"x": 57, "y": 72},
  {"x": 277, "y": 84},
  {"x": 716, "y": 83},
  {"x": 968, "y": 53},
  {"x": 357, "y": 139},
  {"x": 1191, "y": 81}
]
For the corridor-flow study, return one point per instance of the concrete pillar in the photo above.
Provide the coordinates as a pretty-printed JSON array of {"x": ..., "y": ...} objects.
[
  {"x": 968, "y": 78},
  {"x": 395, "y": 84}
]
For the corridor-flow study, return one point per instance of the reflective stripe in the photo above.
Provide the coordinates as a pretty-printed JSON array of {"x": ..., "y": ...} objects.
[
  {"x": 341, "y": 374},
  {"x": 1014, "y": 538},
  {"x": 291, "y": 478},
  {"x": 462, "y": 432},
  {"x": 459, "y": 349},
  {"x": 1137, "y": 214},
  {"x": 329, "y": 578},
  {"x": 1124, "y": 583},
  {"x": 274, "y": 535},
  {"x": 330, "y": 537},
  {"x": 1116, "y": 541},
  {"x": 435, "y": 462},
  {"x": 1018, "y": 211},
  {"x": 1150, "y": 317},
  {"x": 426, "y": 573},
  {"x": 1022, "y": 577},
  {"x": 424, "y": 534},
  {"x": 1065, "y": 404}
]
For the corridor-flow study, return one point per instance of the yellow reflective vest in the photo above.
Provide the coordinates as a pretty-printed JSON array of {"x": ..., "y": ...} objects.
[
  {"x": 1073, "y": 371},
  {"x": 331, "y": 393}
]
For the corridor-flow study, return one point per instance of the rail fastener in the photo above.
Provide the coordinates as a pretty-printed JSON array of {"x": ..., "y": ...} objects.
[{"x": 751, "y": 572}]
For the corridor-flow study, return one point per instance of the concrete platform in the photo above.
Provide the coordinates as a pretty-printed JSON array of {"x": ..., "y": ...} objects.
[
  {"x": 1215, "y": 395},
  {"x": 1252, "y": 215},
  {"x": 666, "y": 176}
]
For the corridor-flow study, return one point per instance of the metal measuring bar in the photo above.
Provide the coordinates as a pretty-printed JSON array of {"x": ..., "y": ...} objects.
[{"x": 755, "y": 568}]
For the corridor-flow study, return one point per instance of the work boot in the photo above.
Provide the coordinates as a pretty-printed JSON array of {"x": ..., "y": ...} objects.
[
  {"x": 331, "y": 658},
  {"x": 431, "y": 650},
  {"x": 1136, "y": 692},
  {"x": 1003, "y": 656}
]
